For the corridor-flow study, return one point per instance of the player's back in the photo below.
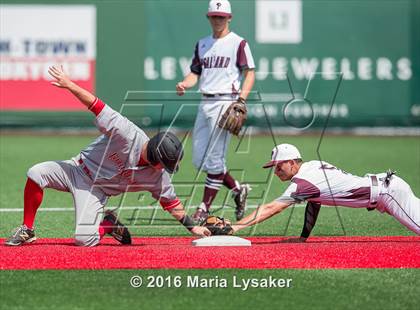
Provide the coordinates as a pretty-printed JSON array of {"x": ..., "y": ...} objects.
[
  {"x": 330, "y": 185},
  {"x": 118, "y": 148}
]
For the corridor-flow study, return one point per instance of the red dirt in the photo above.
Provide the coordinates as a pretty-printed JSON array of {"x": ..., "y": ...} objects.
[{"x": 173, "y": 252}]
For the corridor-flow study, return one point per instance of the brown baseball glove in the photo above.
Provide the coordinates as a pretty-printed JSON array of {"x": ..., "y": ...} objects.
[
  {"x": 218, "y": 226},
  {"x": 234, "y": 117}
]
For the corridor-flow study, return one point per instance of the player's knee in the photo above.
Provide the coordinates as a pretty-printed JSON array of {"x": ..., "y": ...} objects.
[
  {"x": 35, "y": 173},
  {"x": 87, "y": 240},
  {"x": 214, "y": 167}
]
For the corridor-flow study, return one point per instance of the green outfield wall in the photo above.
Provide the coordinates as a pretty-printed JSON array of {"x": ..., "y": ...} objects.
[{"x": 363, "y": 54}]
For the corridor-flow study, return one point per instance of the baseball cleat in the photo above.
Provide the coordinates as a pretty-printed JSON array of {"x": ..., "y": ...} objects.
[
  {"x": 21, "y": 235},
  {"x": 200, "y": 215},
  {"x": 240, "y": 200},
  {"x": 119, "y": 231}
]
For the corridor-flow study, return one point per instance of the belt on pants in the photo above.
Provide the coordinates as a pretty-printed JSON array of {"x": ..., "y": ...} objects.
[
  {"x": 374, "y": 192},
  {"x": 84, "y": 168},
  {"x": 217, "y": 95}
]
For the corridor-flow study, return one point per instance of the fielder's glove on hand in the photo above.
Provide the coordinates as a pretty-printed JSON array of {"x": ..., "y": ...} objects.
[
  {"x": 234, "y": 117},
  {"x": 218, "y": 226}
]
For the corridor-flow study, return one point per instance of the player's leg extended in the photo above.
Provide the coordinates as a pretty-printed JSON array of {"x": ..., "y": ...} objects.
[
  {"x": 44, "y": 175},
  {"x": 399, "y": 201}
]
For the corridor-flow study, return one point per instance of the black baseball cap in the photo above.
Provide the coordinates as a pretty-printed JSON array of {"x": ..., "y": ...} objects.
[{"x": 165, "y": 148}]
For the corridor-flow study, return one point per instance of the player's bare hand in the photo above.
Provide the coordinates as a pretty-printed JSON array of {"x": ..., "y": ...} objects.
[
  {"x": 294, "y": 240},
  {"x": 201, "y": 231},
  {"x": 61, "y": 79},
  {"x": 180, "y": 89}
]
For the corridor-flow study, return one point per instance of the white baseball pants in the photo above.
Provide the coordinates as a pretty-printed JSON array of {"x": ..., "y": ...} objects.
[
  {"x": 89, "y": 201},
  {"x": 398, "y": 200},
  {"x": 210, "y": 143}
]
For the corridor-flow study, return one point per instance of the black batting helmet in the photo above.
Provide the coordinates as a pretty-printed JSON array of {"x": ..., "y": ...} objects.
[{"x": 165, "y": 148}]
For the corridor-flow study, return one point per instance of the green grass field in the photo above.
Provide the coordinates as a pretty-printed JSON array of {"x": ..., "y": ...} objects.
[
  {"x": 317, "y": 289},
  {"x": 313, "y": 289}
]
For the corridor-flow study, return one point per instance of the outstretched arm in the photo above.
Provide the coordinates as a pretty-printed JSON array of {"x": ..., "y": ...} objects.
[
  {"x": 179, "y": 213},
  {"x": 63, "y": 81},
  {"x": 261, "y": 214}
]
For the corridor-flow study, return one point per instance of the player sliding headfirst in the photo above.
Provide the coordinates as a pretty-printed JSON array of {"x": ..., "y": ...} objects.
[
  {"x": 122, "y": 159},
  {"x": 320, "y": 183},
  {"x": 220, "y": 62}
]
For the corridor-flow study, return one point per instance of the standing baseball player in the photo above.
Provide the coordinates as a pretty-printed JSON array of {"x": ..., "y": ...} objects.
[
  {"x": 122, "y": 159},
  {"x": 320, "y": 183},
  {"x": 220, "y": 62}
]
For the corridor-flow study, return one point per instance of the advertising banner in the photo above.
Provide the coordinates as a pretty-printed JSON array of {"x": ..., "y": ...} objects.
[{"x": 34, "y": 37}]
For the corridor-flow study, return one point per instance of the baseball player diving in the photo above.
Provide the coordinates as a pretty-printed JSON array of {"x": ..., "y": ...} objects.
[
  {"x": 320, "y": 183},
  {"x": 122, "y": 159},
  {"x": 220, "y": 63}
]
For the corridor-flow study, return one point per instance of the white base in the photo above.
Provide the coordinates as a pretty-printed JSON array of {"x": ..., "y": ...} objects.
[{"x": 221, "y": 241}]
